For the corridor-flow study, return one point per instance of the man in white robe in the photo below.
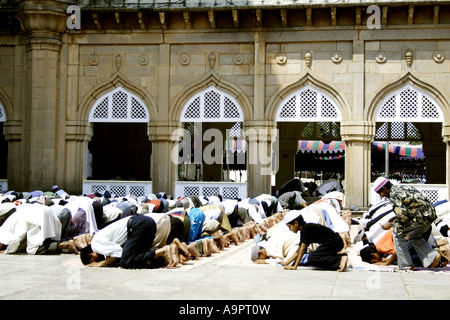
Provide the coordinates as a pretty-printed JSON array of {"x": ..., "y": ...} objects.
[{"x": 28, "y": 227}]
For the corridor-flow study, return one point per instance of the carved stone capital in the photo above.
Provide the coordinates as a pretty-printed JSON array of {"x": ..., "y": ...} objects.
[{"x": 43, "y": 22}]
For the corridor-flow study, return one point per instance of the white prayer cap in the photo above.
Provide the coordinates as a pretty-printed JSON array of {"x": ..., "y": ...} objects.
[
  {"x": 291, "y": 215},
  {"x": 379, "y": 183}
]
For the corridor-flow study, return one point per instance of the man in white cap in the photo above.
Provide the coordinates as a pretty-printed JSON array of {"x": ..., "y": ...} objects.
[
  {"x": 327, "y": 255},
  {"x": 414, "y": 216}
]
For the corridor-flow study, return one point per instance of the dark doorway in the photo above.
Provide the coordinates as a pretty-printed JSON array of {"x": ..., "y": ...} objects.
[{"x": 121, "y": 151}]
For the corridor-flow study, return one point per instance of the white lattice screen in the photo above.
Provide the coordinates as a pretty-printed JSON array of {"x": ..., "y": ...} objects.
[
  {"x": 118, "y": 188},
  {"x": 308, "y": 104},
  {"x": 119, "y": 105},
  {"x": 2, "y": 113},
  {"x": 212, "y": 104},
  {"x": 409, "y": 104},
  {"x": 398, "y": 131},
  {"x": 228, "y": 190}
]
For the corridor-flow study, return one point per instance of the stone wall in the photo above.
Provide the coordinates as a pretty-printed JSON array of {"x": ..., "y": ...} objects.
[{"x": 51, "y": 76}]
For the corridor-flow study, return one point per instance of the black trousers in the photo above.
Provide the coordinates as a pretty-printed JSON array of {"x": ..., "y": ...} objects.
[
  {"x": 136, "y": 253},
  {"x": 325, "y": 256}
]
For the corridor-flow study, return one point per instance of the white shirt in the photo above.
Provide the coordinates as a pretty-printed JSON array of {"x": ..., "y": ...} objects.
[{"x": 109, "y": 240}]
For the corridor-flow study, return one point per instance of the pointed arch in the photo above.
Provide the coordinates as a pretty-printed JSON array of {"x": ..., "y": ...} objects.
[
  {"x": 211, "y": 104},
  {"x": 119, "y": 105},
  {"x": 98, "y": 93},
  {"x": 238, "y": 100},
  {"x": 324, "y": 102},
  {"x": 2, "y": 113},
  {"x": 5, "y": 107},
  {"x": 408, "y": 99}
]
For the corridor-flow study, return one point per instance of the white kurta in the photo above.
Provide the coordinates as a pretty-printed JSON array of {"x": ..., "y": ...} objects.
[
  {"x": 282, "y": 243},
  {"x": 32, "y": 223},
  {"x": 256, "y": 215},
  {"x": 110, "y": 240}
]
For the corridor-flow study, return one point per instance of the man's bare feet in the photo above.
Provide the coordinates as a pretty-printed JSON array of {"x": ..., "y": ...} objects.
[
  {"x": 165, "y": 253},
  {"x": 193, "y": 250},
  {"x": 214, "y": 247},
  {"x": 181, "y": 248},
  {"x": 175, "y": 255},
  {"x": 207, "y": 250},
  {"x": 343, "y": 264},
  {"x": 220, "y": 240},
  {"x": 233, "y": 237}
]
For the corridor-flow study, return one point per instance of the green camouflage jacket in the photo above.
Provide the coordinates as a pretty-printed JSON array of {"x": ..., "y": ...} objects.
[{"x": 410, "y": 205}]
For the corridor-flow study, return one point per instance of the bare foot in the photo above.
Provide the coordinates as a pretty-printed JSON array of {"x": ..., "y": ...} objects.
[
  {"x": 174, "y": 255},
  {"x": 233, "y": 237},
  {"x": 193, "y": 250},
  {"x": 207, "y": 250},
  {"x": 247, "y": 233},
  {"x": 239, "y": 233},
  {"x": 181, "y": 248},
  {"x": 262, "y": 228},
  {"x": 220, "y": 240},
  {"x": 214, "y": 247},
  {"x": 165, "y": 253},
  {"x": 343, "y": 263}
]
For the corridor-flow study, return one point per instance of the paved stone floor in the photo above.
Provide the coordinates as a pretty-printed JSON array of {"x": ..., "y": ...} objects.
[{"x": 229, "y": 275}]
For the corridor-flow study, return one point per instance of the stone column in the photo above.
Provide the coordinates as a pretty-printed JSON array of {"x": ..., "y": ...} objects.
[
  {"x": 13, "y": 134},
  {"x": 262, "y": 146},
  {"x": 43, "y": 23},
  {"x": 358, "y": 138},
  {"x": 446, "y": 139},
  {"x": 78, "y": 134},
  {"x": 257, "y": 131},
  {"x": 164, "y": 170}
]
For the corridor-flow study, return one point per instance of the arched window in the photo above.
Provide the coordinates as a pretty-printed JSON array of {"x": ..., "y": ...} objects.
[
  {"x": 211, "y": 105},
  {"x": 308, "y": 104},
  {"x": 2, "y": 113},
  {"x": 120, "y": 147},
  {"x": 119, "y": 105},
  {"x": 409, "y": 105}
]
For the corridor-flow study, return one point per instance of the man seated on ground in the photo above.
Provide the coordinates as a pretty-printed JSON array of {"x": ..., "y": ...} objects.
[
  {"x": 327, "y": 255},
  {"x": 128, "y": 241}
]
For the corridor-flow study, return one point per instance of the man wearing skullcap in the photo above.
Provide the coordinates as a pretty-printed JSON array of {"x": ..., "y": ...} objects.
[{"x": 414, "y": 216}]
